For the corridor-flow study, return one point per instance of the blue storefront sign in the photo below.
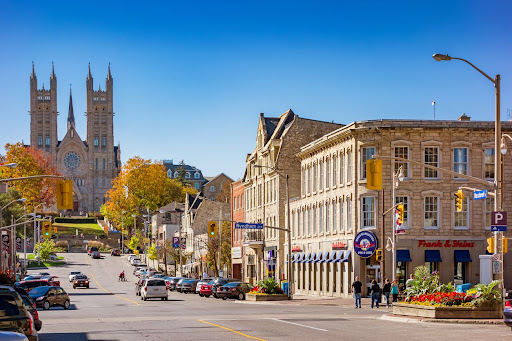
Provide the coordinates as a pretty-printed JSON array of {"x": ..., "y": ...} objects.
[{"x": 365, "y": 244}]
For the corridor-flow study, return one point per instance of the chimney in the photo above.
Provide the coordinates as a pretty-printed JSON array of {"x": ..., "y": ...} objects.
[{"x": 464, "y": 118}]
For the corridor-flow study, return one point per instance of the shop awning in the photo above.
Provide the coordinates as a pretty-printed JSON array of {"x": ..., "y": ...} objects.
[
  {"x": 318, "y": 258},
  {"x": 403, "y": 256},
  {"x": 301, "y": 257},
  {"x": 462, "y": 256},
  {"x": 312, "y": 258},
  {"x": 433, "y": 256},
  {"x": 346, "y": 257},
  {"x": 326, "y": 257},
  {"x": 338, "y": 258},
  {"x": 306, "y": 259},
  {"x": 334, "y": 254},
  {"x": 295, "y": 257}
]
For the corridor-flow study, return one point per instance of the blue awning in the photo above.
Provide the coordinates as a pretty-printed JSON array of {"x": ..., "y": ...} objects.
[
  {"x": 403, "y": 256},
  {"x": 462, "y": 256},
  {"x": 336, "y": 258},
  {"x": 326, "y": 257},
  {"x": 346, "y": 257},
  {"x": 306, "y": 259},
  {"x": 312, "y": 258},
  {"x": 318, "y": 258},
  {"x": 433, "y": 256},
  {"x": 301, "y": 257},
  {"x": 334, "y": 254},
  {"x": 294, "y": 257}
]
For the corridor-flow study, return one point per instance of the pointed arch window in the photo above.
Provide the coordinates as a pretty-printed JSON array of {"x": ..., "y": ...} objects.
[
  {"x": 103, "y": 141},
  {"x": 96, "y": 163},
  {"x": 104, "y": 163},
  {"x": 96, "y": 141}
]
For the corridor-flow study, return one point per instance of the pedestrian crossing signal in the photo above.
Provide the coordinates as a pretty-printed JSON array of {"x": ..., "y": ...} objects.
[
  {"x": 213, "y": 229},
  {"x": 378, "y": 255}
]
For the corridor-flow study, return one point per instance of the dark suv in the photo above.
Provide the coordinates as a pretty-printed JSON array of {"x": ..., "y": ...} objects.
[
  {"x": 218, "y": 282},
  {"x": 14, "y": 317}
]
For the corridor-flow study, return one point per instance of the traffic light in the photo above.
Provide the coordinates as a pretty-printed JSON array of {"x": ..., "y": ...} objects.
[
  {"x": 490, "y": 245},
  {"x": 64, "y": 194},
  {"x": 399, "y": 214},
  {"x": 505, "y": 244},
  {"x": 55, "y": 229},
  {"x": 374, "y": 174},
  {"x": 47, "y": 229},
  {"x": 378, "y": 255},
  {"x": 459, "y": 198},
  {"x": 213, "y": 229}
]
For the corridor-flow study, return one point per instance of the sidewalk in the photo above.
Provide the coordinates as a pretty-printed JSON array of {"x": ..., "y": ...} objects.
[{"x": 299, "y": 299}]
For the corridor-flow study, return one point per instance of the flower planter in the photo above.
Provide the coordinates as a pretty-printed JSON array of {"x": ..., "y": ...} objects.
[
  {"x": 266, "y": 297},
  {"x": 446, "y": 312}
]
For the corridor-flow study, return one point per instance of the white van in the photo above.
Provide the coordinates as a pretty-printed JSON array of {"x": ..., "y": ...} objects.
[{"x": 154, "y": 288}]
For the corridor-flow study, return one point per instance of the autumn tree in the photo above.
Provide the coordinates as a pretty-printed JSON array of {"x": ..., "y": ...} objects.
[
  {"x": 141, "y": 186},
  {"x": 212, "y": 246},
  {"x": 30, "y": 162}
]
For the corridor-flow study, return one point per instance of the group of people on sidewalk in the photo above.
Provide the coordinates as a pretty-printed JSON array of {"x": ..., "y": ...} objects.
[{"x": 389, "y": 288}]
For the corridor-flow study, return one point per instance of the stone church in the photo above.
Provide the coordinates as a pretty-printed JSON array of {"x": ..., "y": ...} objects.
[{"x": 92, "y": 163}]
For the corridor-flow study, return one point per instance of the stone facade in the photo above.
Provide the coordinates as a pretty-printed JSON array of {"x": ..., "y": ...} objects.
[
  {"x": 278, "y": 141},
  {"x": 91, "y": 164},
  {"x": 192, "y": 175},
  {"x": 335, "y": 205},
  {"x": 213, "y": 188}
]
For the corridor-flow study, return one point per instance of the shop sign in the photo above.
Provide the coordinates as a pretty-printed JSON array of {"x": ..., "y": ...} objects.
[
  {"x": 339, "y": 245},
  {"x": 236, "y": 252},
  {"x": 296, "y": 248},
  {"x": 365, "y": 244},
  {"x": 446, "y": 243}
]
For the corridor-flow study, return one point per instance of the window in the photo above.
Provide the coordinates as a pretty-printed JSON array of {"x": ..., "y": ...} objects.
[
  {"x": 402, "y": 152},
  {"x": 104, "y": 163},
  {"x": 303, "y": 187},
  {"x": 431, "y": 158},
  {"x": 47, "y": 140},
  {"x": 39, "y": 140},
  {"x": 309, "y": 221},
  {"x": 196, "y": 175},
  {"x": 327, "y": 173},
  {"x": 96, "y": 163},
  {"x": 460, "y": 160},
  {"x": 431, "y": 217},
  {"x": 314, "y": 177},
  {"x": 309, "y": 179},
  {"x": 366, "y": 154},
  {"x": 314, "y": 219},
  {"x": 169, "y": 174},
  {"x": 104, "y": 182},
  {"x": 96, "y": 141},
  {"x": 103, "y": 141},
  {"x": 187, "y": 175},
  {"x": 259, "y": 193},
  {"x": 368, "y": 212},
  {"x": 405, "y": 201},
  {"x": 97, "y": 185},
  {"x": 303, "y": 226},
  {"x": 321, "y": 219},
  {"x": 334, "y": 216},
  {"x": 342, "y": 216},
  {"x": 212, "y": 188},
  {"x": 349, "y": 166},
  {"x": 461, "y": 218},
  {"x": 489, "y": 207},
  {"x": 334, "y": 170},
  {"x": 342, "y": 168},
  {"x": 349, "y": 213},
  {"x": 489, "y": 164},
  {"x": 297, "y": 230},
  {"x": 327, "y": 217},
  {"x": 321, "y": 176}
]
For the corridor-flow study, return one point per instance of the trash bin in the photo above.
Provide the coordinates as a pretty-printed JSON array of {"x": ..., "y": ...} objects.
[
  {"x": 284, "y": 287},
  {"x": 462, "y": 288}
]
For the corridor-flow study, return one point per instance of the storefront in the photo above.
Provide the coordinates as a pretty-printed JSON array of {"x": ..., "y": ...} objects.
[
  {"x": 270, "y": 260},
  {"x": 236, "y": 262}
]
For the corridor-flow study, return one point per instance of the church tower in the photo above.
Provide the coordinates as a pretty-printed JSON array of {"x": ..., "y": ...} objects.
[
  {"x": 100, "y": 138},
  {"x": 43, "y": 115}
]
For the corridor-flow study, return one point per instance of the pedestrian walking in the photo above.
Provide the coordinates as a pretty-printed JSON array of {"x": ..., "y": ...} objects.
[
  {"x": 356, "y": 290},
  {"x": 375, "y": 293},
  {"x": 386, "y": 289},
  {"x": 394, "y": 291},
  {"x": 409, "y": 281}
]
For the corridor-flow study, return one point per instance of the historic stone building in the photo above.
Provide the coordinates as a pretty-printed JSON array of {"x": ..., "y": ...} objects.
[
  {"x": 335, "y": 205},
  {"x": 92, "y": 163}
]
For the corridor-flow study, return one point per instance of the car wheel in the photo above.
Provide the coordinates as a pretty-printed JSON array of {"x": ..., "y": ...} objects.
[
  {"x": 224, "y": 298},
  {"x": 162, "y": 298},
  {"x": 74, "y": 287},
  {"x": 206, "y": 296},
  {"x": 241, "y": 296},
  {"x": 145, "y": 298},
  {"x": 66, "y": 305},
  {"x": 167, "y": 298},
  {"x": 46, "y": 305},
  {"x": 201, "y": 295}
]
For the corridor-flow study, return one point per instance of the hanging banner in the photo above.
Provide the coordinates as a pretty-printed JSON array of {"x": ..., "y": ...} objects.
[
  {"x": 18, "y": 244},
  {"x": 5, "y": 242}
]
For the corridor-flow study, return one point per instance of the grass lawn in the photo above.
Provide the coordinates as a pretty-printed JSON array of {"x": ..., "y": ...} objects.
[
  {"x": 48, "y": 264},
  {"x": 32, "y": 256},
  {"x": 70, "y": 229}
]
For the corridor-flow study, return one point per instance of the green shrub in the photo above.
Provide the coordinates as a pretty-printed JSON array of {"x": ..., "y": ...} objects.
[
  {"x": 269, "y": 286},
  {"x": 75, "y": 220}
]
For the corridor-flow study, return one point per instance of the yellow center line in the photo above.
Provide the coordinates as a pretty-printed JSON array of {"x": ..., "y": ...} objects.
[
  {"x": 232, "y": 330},
  {"x": 99, "y": 285}
]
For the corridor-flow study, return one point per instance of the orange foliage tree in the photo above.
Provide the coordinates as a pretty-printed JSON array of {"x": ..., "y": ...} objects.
[
  {"x": 30, "y": 162},
  {"x": 140, "y": 186}
]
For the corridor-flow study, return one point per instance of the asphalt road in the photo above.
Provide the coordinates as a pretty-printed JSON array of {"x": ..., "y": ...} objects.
[{"x": 110, "y": 310}]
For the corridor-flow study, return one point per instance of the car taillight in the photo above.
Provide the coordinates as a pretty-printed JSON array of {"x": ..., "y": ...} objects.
[
  {"x": 232, "y": 289},
  {"x": 36, "y": 314},
  {"x": 508, "y": 304},
  {"x": 31, "y": 324},
  {"x": 145, "y": 288}
]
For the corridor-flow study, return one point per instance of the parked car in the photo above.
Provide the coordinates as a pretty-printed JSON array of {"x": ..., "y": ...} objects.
[
  {"x": 137, "y": 262},
  {"x": 153, "y": 288},
  {"x": 52, "y": 280},
  {"x": 507, "y": 312},
  {"x": 12, "y": 336},
  {"x": 47, "y": 297},
  {"x": 115, "y": 252},
  {"x": 131, "y": 256},
  {"x": 173, "y": 282},
  {"x": 30, "y": 305},
  {"x": 96, "y": 255},
  {"x": 139, "y": 269},
  {"x": 220, "y": 281},
  {"x": 138, "y": 286},
  {"x": 234, "y": 290},
  {"x": 14, "y": 317},
  {"x": 72, "y": 275},
  {"x": 179, "y": 283},
  {"x": 200, "y": 283},
  {"x": 81, "y": 281},
  {"x": 91, "y": 250},
  {"x": 53, "y": 257},
  {"x": 189, "y": 285},
  {"x": 32, "y": 277},
  {"x": 29, "y": 285},
  {"x": 206, "y": 289}
]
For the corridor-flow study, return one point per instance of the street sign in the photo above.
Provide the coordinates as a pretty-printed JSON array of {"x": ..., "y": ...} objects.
[
  {"x": 496, "y": 267},
  {"x": 175, "y": 242},
  {"x": 499, "y": 221},
  {"x": 18, "y": 243},
  {"x": 248, "y": 226},
  {"x": 183, "y": 243},
  {"x": 480, "y": 194},
  {"x": 496, "y": 257}
]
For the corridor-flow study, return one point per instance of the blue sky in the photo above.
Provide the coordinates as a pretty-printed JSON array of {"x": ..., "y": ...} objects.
[{"x": 191, "y": 77}]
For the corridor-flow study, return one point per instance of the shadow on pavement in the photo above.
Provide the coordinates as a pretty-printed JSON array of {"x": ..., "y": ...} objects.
[
  {"x": 95, "y": 293},
  {"x": 71, "y": 307},
  {"x": 67, "y": 337}
]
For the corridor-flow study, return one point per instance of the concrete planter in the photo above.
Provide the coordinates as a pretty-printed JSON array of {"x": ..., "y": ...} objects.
[
  {"x": 445, "y": 312},
  {"x": 266, "y": 297}
]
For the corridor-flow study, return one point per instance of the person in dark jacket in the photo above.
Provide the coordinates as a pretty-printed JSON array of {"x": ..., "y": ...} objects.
[
  {"x": 387, "y": 291},
  {"x": 375, "y": 293}
]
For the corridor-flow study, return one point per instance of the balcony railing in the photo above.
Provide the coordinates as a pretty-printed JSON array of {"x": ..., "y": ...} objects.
[{"x": 253, "y": 237}]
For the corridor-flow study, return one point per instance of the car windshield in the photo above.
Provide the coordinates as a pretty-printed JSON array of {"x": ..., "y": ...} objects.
[
  {"x": 231, "y": 284},
  {"x": 8, "y": 306},
  {"x": 39, "y": 291},
  {"x": 156, "y": 284},
  {"x": 74, "y": 272},
  {"x": 80, "y": 277}
]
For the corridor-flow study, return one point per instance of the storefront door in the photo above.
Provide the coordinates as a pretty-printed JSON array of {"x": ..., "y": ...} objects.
[{"x": 372, "y": 273}]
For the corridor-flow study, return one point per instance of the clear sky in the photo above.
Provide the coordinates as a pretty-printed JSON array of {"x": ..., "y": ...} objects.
[{"x": 191, "y": 77}]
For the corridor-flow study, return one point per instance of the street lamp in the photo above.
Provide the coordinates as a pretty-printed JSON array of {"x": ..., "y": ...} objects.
[
  {"x": 2, "y": 217},
  {"x": 288, "y": 230},
  {"x": 498, "y": 142},
  {"x": 397, "y": 176}
]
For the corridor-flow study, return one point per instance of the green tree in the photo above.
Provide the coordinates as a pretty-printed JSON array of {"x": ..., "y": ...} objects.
[
  {"x": 47, "y": 248},
  {"x": 212, "y": 246},
  {"x": 134, "y": 242}
]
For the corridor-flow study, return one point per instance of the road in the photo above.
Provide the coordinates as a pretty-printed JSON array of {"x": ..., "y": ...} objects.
[{"x": 110, "y": 310}]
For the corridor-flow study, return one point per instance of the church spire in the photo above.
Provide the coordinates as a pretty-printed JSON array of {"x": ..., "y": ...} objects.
[
  {"x": 53, "y": 71},
  {"x": 33, "y": 75},
  {"x": 71, "y": 115},
  {"x": 109, "y": 74},
  {"x": 89, "y": 76}
]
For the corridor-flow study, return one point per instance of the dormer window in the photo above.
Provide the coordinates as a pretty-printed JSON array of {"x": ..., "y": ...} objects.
[
  {"x": 176, "y": 174},
  {"x": 196, "y": 175},
  {"x": 187, "y": 175},
  {"x": 169, "y": 174}
]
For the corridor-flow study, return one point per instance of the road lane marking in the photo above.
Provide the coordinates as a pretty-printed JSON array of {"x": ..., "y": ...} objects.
[
  {"x": 232, "y": 330},
  {"x": 298, "y": 324},
  {"x": 109, "y": 292}
]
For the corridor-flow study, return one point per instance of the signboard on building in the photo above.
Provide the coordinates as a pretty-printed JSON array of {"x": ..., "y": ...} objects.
[
  {"x": 296, "y": 248},
  {"x": 339, "y": 245},
  {"x": 480, "y": 194},
  {"x": 183, "y": 243},
  {"x": 175, "y": 242},
  {"x": 499, "y": 221},
  {"x": 365, "y": 244},
  {"x": 236, "y": 252},
  {"x": 445, "y": 243},
  {"x": 248, "y": 226}
]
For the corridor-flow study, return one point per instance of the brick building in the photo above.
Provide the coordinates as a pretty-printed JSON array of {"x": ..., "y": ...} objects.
[
  {"x": 217, "y": 188},
  {"x": 237, "y": 215}
]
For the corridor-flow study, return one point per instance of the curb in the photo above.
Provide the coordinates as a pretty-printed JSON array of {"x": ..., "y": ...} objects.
[{"x": 395, "y": 318}]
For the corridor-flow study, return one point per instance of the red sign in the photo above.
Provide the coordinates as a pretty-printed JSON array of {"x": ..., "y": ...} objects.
[
  {"x": 296, "y": 248},
  {"x": 338, "y": 245},
  {"x": 445, "y": 243}
]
